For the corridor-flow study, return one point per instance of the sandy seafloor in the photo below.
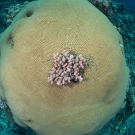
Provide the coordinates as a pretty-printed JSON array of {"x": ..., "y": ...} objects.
[{"x": 123, "y": 123}]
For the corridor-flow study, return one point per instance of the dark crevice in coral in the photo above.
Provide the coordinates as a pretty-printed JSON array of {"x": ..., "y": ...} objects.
[
  {"x": 29, "y": 13},
  {"x": 30, "y": 121},
  {"x": 10, "y": 41}
]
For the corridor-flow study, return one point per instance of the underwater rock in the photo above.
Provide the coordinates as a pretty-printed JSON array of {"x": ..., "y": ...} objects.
[{"x": 105, "y": 6}]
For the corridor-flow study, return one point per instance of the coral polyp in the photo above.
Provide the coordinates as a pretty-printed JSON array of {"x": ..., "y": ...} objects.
[{"x": 67, "y": 68}]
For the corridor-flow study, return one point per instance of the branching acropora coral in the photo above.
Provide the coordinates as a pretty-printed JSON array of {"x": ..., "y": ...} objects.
[{"x": 67, "y": 68}]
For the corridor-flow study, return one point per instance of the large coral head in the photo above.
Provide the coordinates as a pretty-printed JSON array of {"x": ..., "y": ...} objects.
[{"x": 91, "y": 66}]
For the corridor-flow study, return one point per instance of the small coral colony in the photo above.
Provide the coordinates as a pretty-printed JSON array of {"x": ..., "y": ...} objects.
[{"x": 67, "y": 68}]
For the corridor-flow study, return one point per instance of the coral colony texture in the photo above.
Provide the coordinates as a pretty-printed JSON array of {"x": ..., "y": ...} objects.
[
  {"x": 67, "y": 68},
  {"x": 104, "y": 6},
  {"x": 3, "y": 105},
  {"x": 12, "y": 11},
  {"x": 62, "y": 68}
]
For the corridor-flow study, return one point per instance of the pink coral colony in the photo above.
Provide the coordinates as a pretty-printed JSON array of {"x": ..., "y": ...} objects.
[{"x": 67, "y": 68}]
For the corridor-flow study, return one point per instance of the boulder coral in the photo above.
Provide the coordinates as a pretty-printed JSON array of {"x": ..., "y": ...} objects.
[{"x": 40, "y": 30}]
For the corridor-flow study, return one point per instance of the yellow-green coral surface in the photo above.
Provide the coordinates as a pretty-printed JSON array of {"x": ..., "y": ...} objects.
[{"x": 46, "y": 27}]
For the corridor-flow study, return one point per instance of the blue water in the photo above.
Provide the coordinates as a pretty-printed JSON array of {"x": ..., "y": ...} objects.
[{"x": 129, "y": 3}]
